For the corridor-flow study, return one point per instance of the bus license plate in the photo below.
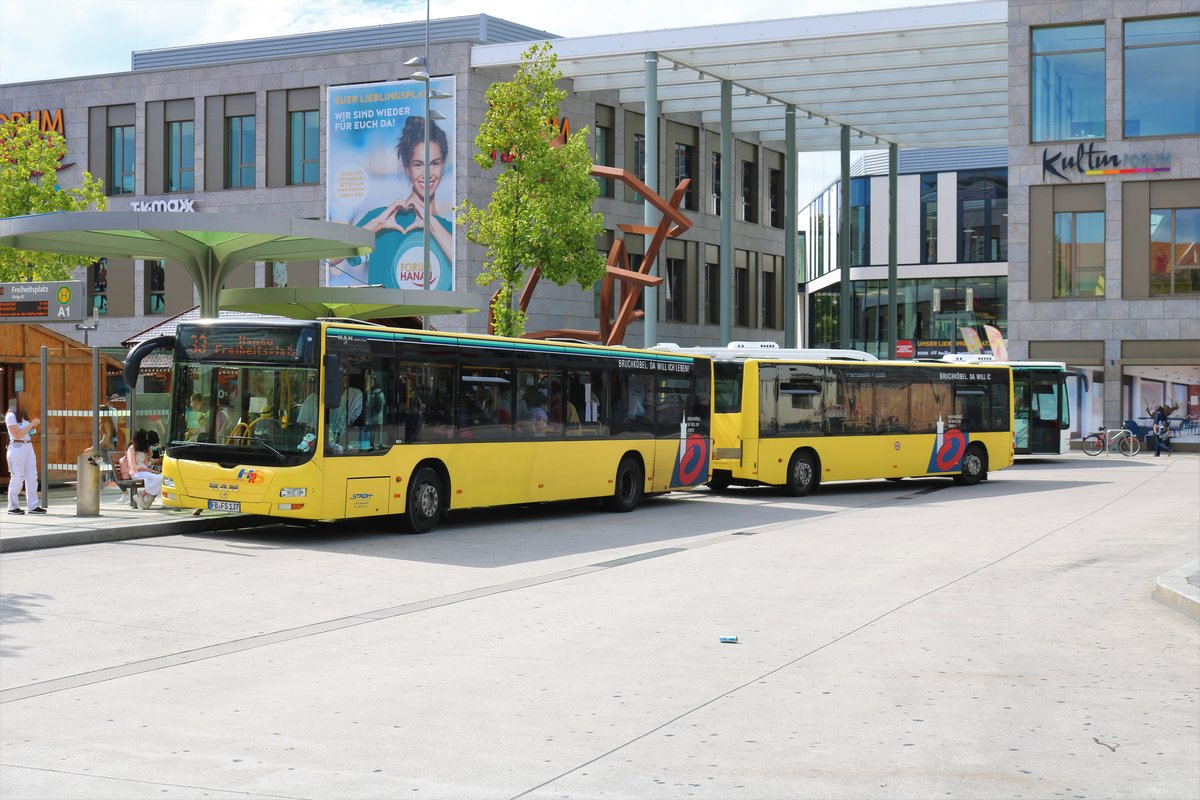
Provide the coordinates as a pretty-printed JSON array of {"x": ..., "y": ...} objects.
[{"x": 224, "y": 505}]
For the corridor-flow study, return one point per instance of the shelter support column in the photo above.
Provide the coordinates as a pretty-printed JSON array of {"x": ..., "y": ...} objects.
[
  {"x": 843, "y": 247},
  {"x": 893, "y": 159},
  {"x": 726, "y": 268},
  {"x": 650, "y": 213},
  {"x": 790, "y": 246}
]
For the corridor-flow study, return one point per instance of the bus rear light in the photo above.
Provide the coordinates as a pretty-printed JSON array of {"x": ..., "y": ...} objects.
[
  {"x": 290, "y": 506},
  {"x": 294, "y": 492}
]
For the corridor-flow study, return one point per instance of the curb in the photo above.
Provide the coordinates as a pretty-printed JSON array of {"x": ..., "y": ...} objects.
[
  {"x": 41, "y": 541},
  {"x": 1175, "y": 590}
]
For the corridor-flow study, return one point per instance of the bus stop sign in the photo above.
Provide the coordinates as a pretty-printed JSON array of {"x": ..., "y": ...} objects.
[{"x": 43, "y": 301}]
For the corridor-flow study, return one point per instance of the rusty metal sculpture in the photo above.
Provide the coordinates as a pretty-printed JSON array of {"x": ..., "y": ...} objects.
[{"x": 671, "y": 224}]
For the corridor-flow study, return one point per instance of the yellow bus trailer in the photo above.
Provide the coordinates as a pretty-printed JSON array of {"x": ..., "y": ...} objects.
[{"x": 798, "y": 423}]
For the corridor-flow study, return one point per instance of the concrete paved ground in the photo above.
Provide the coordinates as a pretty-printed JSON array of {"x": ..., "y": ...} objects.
[{"x": 906, "y": 640}]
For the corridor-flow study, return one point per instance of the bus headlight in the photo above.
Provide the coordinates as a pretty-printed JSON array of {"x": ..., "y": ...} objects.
[
  {"x": 168, "y": 483},
  {"x": 299, "y": 492}
]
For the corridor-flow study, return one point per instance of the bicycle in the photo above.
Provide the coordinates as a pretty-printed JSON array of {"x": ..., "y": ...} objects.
[{"x": 1121, "y": 438}]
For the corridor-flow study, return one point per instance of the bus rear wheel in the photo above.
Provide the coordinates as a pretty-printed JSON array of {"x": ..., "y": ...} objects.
[
  {"x": 801, "y": 475},
  {"x": 630, "y": 483},
  {"x": 974, "y": 467},
  {"x": 425, "y": 501}
]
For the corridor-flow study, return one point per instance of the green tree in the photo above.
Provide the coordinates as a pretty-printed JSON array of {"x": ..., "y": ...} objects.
[
  {"x": 29, "y": 185},
  {"x": 541, "y": 212}
]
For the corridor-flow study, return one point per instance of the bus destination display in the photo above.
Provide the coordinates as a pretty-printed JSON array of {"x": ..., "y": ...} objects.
[{"x": 274, "y": 345}]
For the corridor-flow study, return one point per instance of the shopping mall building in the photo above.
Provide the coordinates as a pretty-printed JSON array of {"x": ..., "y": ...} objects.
[{"x": 1045, "y": 165}]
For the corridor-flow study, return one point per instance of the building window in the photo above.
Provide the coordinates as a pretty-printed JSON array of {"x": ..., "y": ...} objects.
[
  {"x": 772, "y": 273},
  {"x": 604, "y": 156},
  {"x": 639, "y": 156},
  {"x": 99, "y": 276},
  {"x": 1068, "y": 83},
  {"x": 716, "y": 184},
  {"x": 983, "y": 215},
  {"x": 1079, "y": 254},
  {"x": 120, "y": 160},
  {"x": 685, "y": 167},
  {"x": 239, "y": 152},
  {"x": 676, "y": 290},
  {"x": 749, "y": 191},
  {"x": 1160, "y": 97},
  {"x": 929, "y": 214},
  {"x": 775, "y": 197},
  {"x": 860, "y": 222},
  {"x": 181, "y": 155},
  {"x": 744, "y": 269},
  {"x": 1174, "y": 251},
  {"x": 304, "y": 148},
  {"x": 712, "y": 284},
  {"x": 156, "y": 288},
  {"x": 276, "y": 274}
]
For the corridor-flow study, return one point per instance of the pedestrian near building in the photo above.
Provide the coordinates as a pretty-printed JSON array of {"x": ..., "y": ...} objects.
[{"x": 22, "y": 461}]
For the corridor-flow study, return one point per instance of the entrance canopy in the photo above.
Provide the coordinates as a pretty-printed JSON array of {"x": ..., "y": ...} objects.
[
  {"x": 209, "y": 247},
  {"x": 932, "y": 76}
]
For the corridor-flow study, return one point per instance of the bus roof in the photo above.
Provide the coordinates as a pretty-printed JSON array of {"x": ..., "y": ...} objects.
[{"x": 736, "y": 351}]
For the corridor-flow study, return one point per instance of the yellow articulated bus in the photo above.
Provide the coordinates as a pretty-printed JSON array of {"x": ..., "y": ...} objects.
[
  {"x": 796, "y": 422},
  {"x": 335, "y": 420}
]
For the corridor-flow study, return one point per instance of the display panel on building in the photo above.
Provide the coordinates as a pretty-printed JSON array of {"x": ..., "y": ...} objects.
[
  {"x": 377, "y": 179},
  {"x": 42, "y": 301}
]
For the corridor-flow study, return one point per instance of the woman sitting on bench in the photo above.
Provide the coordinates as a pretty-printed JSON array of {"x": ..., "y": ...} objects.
[{"x": 143, "y": 467}]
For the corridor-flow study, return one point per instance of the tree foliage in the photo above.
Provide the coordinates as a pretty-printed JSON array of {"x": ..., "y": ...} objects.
[
  {"x": 540, "y": 214},
  {"x": 29, "y": 161}
]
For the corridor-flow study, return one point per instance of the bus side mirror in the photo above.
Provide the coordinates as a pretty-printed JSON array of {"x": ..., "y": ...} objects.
[{"x": 333, "y": 381}]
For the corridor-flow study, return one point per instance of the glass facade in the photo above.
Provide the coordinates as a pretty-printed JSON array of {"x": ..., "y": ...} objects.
[
  {"x": 1162, "y": 101},
  {"x": 639, "y": 156},
  {"x": 685, "y": 167},
  {"x": 181, "y": 156},
  {"x": 749, "y": 191},
  {"x": 860, "y": 222},
  {"x": 304, "y": 148},
  {"x": 1079, "y": 254},
  {"x": 1068, "y": 83},
  {"x": 983, "y": 215},
  {"x": 239, "y": 152},
  {"x": 929, "y": 217},
  {"x": 604, "y": 157},
  {"x": 938, "y": 315},
  {"x": 1175, "y": 251}
]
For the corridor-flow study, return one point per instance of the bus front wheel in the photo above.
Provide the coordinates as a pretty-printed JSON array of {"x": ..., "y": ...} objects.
[
  {"x": 630, "y": 483},
  {"x": 974, "y": 467},
  {"x": 801, "y": 475},
  {"x": 425, "y": 501}
]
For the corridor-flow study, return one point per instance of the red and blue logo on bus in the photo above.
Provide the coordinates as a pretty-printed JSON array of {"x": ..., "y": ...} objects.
[
  {"x": 691, "y": 461},
  {"x": 948, "y": 451}
]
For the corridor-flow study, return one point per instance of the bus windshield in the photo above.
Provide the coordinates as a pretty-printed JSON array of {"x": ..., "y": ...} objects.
[{"x": 268, "y": 411}]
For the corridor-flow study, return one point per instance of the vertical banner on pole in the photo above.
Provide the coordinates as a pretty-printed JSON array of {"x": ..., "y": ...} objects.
[{"x": 375, "y": 139}]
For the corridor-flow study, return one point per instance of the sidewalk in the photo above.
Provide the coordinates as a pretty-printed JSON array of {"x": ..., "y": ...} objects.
[{"x": 117, "y": 521}]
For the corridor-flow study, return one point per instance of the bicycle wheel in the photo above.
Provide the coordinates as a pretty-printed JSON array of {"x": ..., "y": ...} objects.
[
  {"x": 1093, "y": 445},
  {"x": 1129, "y": 446}
]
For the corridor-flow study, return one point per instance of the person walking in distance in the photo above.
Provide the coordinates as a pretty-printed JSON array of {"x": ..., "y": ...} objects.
[{"x": 22, "y": 462}]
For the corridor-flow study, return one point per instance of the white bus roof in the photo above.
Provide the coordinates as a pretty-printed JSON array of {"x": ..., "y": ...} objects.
[{"x": 742, "y": 350}]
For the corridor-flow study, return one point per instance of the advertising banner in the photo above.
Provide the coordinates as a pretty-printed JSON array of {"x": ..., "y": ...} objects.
[{"x": 376, "y": 159}]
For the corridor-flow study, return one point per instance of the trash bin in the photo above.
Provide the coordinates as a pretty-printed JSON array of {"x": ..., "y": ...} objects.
[{"x": 87, "y": 494}]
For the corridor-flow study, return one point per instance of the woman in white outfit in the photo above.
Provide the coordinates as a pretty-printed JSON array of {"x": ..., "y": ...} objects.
[
  {"x": 142, "y": 462},
  {"x": 22, "y": 462}
]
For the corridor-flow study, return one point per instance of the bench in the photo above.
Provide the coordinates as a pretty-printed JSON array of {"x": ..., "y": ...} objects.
[{"x": 125, "y": 484}]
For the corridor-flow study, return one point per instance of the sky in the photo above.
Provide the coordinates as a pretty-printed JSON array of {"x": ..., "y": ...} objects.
[{"x": 47, "y": 39}]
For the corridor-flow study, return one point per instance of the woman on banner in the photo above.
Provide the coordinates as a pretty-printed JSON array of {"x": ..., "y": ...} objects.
[{"x": 398, "y": 259}]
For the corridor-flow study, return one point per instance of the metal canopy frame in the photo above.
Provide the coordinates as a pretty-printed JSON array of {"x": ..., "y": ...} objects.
[{"x": 932, "y": 76}]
